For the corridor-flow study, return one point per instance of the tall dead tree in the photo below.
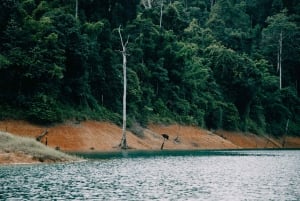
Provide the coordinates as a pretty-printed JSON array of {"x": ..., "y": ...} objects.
[
  {"x": 123, "y": 143},
  {"x": 76, "y": 9},
  {"x": 161, "y": 12},
  {"x": 279, "y": 59}
]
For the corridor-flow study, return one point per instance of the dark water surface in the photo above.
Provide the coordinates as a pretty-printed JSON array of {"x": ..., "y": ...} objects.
[{"x": 167, "y": 175}]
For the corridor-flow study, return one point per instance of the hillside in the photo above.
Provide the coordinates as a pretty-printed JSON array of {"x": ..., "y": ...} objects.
[{"x": 214, "y": 64}]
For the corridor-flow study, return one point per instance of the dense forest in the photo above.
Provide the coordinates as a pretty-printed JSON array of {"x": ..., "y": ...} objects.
[{"x": 230, "y": 64}]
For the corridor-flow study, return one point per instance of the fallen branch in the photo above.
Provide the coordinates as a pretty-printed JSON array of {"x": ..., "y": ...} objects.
[{"x": 40, "y": 137}]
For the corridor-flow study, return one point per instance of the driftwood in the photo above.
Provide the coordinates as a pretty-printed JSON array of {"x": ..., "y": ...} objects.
[{"x": 40, "y": 137}]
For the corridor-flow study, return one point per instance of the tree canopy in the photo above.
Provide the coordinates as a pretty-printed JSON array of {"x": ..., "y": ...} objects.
[{"x": 207, "y": 63}]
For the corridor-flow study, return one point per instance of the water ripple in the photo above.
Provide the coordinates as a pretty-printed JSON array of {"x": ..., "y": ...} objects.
[{"x": 259, "y": 175}]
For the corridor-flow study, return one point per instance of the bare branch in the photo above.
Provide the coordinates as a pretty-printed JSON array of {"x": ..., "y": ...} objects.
[
  {"x": 126, "y": 43},
  {"x": 121, "y": 38}
]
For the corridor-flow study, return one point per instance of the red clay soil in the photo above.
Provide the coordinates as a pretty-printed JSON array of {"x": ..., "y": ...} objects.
[
  {"x": 189, "y": 137},
  {"x": 249, "y": 140},
  {"x": 104, "y": 136}
]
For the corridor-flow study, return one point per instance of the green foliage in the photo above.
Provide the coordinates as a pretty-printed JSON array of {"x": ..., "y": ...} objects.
[
  {"x": 211, "y": 65},
  {"x": 43, "y": 109},
  {"x": 231, "y": 24},
  {"x": 10, "y": 112},
  {"x": 231, "y": 117},
  {"x": 4, "y": 62}
]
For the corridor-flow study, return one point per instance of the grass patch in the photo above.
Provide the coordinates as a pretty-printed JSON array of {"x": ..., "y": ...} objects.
[{"x": 38, "y": 151}]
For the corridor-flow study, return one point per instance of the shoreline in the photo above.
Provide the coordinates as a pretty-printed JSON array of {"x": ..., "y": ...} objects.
[
  {"x": 104, "y": 137},
  {"x": 180, "y": 150},
  {"x": 98, "y": 155},
  {"x": 80, "y": 153},
  {"x": 86, "y": 155}
]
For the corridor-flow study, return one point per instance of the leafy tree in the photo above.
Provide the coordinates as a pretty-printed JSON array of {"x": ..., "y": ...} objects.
[
  {"x": 236, "y": 74},
  {"x": 231, "y": 24},
  {"x": 175, "y": 17},
  {"x": 280, "y": 28},
  {"x": 208, "y": 63}
]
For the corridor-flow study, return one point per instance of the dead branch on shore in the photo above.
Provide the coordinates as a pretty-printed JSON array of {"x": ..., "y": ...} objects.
[{"x": 40, "y": 137}]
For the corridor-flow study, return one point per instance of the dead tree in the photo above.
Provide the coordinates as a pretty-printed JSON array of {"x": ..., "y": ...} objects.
[
  {"x": 123, "y": 143},
  {"x": 43, "y": 134},
  {"x": 76, "y": 9},
  {"x": 161, "y": 13},
  {"x": 279, "y": 59},
  {"x": 166, "y": 137}
]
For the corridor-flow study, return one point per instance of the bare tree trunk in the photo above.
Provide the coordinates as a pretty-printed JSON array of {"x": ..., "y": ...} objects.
[
  {"x": 161, "y": 12},
  {"x": 123, "y": 143},
  {"x": 280, "y": 60},
  {"x": 76, "y": 9}
]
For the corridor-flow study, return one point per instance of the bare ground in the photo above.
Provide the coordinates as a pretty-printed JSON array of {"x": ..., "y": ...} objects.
[{"x": 104, "y": 136}]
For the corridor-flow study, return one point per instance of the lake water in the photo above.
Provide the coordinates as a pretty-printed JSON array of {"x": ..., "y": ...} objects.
[{"x": 166, "y": 175}]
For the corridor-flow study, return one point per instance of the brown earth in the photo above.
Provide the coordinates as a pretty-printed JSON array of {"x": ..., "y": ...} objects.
[
  {"x": 104, "y": 136},
  {"x": 16, "y": 158}
]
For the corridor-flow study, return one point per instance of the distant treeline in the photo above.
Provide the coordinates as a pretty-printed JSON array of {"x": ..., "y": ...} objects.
[{"x": 210, "y": 63}]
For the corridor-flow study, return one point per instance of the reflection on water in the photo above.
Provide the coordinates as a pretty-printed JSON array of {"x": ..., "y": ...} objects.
[{"x": 218, "y": 175}]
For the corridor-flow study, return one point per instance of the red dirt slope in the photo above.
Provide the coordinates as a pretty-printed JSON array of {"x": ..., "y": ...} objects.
[{"x": 104, "y": 136}]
